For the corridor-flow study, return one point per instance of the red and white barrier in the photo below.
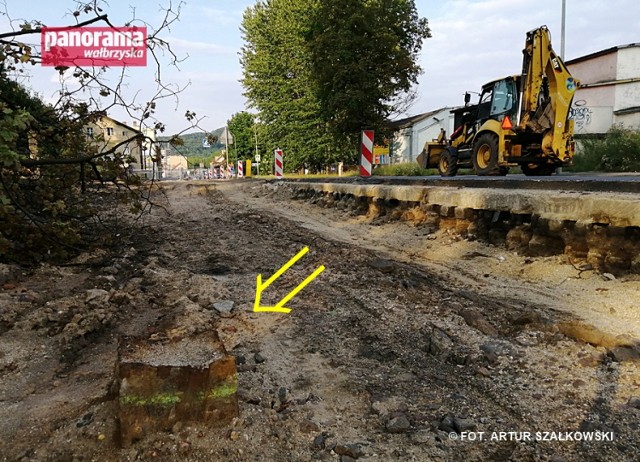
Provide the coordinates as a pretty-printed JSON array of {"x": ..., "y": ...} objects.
[
  {"x": 240, "y": 168},
  {"x": 279, "y": 163},
  {"x": 366, "y": 157}
]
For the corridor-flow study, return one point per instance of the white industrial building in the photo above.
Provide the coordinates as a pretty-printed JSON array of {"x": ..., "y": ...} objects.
[
  {"x": 411, "y": 133},
  {"x": 609, "y": 91}
]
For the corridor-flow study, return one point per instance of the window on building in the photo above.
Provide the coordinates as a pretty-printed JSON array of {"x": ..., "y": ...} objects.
[
  {"x": 109, "y": 131},
  {"x": 124, "y": 133},
  {"x": 90, "y": 131}
]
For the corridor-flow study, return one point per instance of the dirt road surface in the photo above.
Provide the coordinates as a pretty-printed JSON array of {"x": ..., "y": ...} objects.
[{"x": 412, "y": 345}]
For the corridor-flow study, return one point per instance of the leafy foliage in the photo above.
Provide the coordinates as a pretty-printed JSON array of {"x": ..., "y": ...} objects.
[
  {"x": 44, "y": 202},
  {"x": 318, "y": 72},
  {"x": 242, "y": 127},
  {"x": 278, "y": 81},
  {"x": 363, "y": 55},
  {"x": 60, "y": 190},
  {"x": 618, "y": 151}
]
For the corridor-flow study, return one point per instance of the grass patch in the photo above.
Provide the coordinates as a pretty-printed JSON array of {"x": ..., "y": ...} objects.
[
  {"x": 302, "y": 176},
  {"x": 408, "y": 169},
  {"x": 618, "y": 151}
]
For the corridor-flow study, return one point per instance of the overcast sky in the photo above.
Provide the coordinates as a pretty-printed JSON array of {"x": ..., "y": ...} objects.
[{"x": 474, "y": 41}]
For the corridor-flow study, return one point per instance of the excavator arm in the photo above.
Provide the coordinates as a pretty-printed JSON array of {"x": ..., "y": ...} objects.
[{"x": 547, "y": 90}]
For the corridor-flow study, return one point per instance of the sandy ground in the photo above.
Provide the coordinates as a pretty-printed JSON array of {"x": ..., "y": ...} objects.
[
  {"x": 610, "y": 305},
  {"x": 410, "y": 346}
]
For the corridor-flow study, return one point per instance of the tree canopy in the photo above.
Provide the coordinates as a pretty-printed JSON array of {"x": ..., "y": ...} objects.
[
  {"x": 318, "y": 72},
  {"x": 278, "y": 81},
  {"x": 242, "y": 127},
  {"x": 61, "y": 187},
  {"x": 364, "y": 60}
]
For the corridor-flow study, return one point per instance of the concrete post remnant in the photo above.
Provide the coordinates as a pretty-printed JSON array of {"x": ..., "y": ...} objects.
[{"x": 182, "y": 380}]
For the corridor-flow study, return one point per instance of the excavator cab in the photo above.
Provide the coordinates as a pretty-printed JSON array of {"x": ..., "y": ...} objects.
[
  {"x": 499, "y": 99},
  {"x": 464, "y": 121},
  {"x": 496, "y": 118}
]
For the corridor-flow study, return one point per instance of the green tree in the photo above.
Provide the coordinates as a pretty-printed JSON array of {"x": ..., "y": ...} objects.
[
  {"x": 618, "y": 151},
  {"x": 318, "y": 72},
  {"x": 242, "y": 127},
  {"x": 278, "y": 82},
  {"x": 364, "y": 61},
  {"x": 46, "y": 165}
]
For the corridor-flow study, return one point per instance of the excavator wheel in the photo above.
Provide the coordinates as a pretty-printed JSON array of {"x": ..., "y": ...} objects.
[
  {"x": 485, "y": 156},
  {"x": 448, "y": 164},
  {"x": 538, "y": 169}
]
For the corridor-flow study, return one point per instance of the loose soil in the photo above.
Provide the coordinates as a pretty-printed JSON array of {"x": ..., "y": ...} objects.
[{"x": 409, "y": 343}]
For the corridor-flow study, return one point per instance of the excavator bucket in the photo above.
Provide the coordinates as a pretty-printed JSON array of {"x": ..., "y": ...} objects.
[{"x": 422, "y": 159}]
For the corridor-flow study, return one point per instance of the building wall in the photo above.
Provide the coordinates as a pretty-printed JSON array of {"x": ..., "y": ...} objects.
[
  {"x": 627, "y": 95},
  {"x": 149, "y": 147},
  {"x": 174, "y": 162},
  {"x": 408, "y": 142},
  {"x": 173, "y": 167},
  {"x": 628, "y": 62},
  {"x": 401, "y": 146},
  {"x": 591, "y": 115},
  {"x": 595, "y": 108},
  {"x": 106, "y": 133},
  {"x": 592, "y": 108},
  {"x": 599, "y": 69}
]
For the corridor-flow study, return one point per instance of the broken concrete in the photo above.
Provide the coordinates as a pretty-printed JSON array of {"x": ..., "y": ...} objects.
[
  {"x": 600, "y": 228},
  {"x": 617, "y": 209}
]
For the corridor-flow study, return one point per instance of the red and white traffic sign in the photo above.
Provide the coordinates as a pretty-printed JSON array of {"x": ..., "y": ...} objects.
[
  {"x": 366, "y": 157},
  {"x": 279, "y": 163}
]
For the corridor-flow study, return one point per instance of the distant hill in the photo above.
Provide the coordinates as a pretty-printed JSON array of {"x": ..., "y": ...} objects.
[{"x": 193, "y": 144}]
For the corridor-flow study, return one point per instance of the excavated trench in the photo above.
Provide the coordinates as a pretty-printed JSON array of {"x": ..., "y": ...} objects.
[{"x": 600, "y": 244}]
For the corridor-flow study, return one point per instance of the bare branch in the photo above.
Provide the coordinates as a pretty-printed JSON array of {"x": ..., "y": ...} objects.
[
  {"x": 38, "y": 30},
  {"x": 64, "y": 159},
  {"x": 30, "y": 163}
]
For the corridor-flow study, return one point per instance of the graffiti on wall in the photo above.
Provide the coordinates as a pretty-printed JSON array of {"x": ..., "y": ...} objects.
[{"x": 581, "y": 114}]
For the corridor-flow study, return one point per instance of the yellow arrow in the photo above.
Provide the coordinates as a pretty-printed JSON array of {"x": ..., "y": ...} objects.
[{"x": 279, "y": 307}]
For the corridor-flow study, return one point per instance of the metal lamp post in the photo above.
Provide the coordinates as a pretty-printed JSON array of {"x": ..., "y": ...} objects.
[
  {"x": 228, "y": 139},
  {"x": 564, "y": 14}
]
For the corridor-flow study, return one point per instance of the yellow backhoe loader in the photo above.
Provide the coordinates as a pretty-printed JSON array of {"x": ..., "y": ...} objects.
[{"x": 521, "y": 120}]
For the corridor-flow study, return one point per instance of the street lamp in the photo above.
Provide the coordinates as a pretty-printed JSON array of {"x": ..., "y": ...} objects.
[
  {"x": 228, "y": 139},
  {"x": 564, "y": 14},
  {"x": 257, "y": 157},
  {"x": 226, "y": 149}
]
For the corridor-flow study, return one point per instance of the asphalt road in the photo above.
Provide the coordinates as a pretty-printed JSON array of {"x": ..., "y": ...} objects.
[{"x": 623, "y": 183}]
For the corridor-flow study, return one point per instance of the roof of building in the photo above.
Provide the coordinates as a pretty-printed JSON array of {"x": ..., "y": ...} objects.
[
  {"x": 597, "y": 54},
  {"x": 409, "y": 121},
  {"x": 122, "y": 124}
]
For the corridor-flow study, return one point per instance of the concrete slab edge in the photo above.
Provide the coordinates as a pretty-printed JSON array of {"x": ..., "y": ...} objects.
[{"x": 615, "y": 209}]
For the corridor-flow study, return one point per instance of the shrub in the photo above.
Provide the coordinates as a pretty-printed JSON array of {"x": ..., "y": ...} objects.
[
  {"x": 618, "y": 151},
  {"x": 53, "y": 182}
]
